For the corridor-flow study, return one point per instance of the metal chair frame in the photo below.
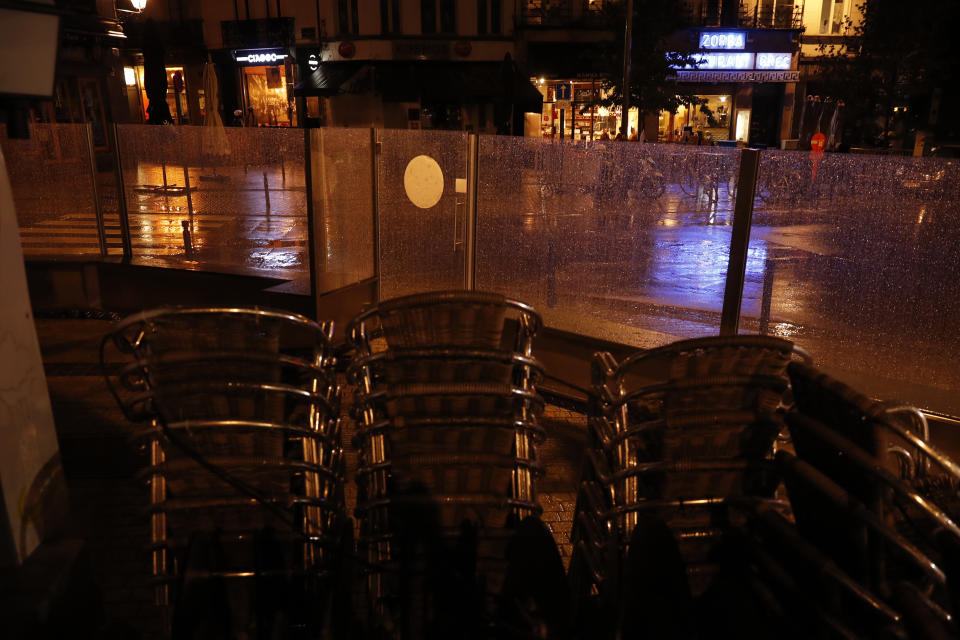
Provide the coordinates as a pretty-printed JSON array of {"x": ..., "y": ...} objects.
[
  {"x": 316, "y": 435},
  {"x": 431, "y": 382}
]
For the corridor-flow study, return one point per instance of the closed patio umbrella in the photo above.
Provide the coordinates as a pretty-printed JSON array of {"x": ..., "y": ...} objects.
[{"x": 214, "y": 138}]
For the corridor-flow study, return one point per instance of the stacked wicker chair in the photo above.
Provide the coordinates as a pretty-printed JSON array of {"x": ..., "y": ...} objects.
[
  {"x": 447, "y": 434},
  {"x": 240, "y": 409},
  {"x": 886, "y": 527},
  {"x": 870, "y": 546},
  {"x": 677, "y": 436}
]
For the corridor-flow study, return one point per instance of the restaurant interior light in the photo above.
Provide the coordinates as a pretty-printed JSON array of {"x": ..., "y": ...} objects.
[
  {"x": 130, "y": 76},
  {"x": 139, "y": 5}
]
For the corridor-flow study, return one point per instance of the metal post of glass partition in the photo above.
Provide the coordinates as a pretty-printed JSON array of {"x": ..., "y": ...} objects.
[
  {"x": 311, "y": 232},
  {"x": 375, "y": 184},
  {"x": 470, "y": 224},
  {"x": 121, "y": 197},
  {"x": 739, "y": 242},
  {"x": 97, "y": 209}
]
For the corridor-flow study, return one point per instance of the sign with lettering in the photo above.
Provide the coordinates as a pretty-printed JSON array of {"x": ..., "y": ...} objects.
[
  {"x": 817, "y": 142},
  {"x": 587, "y": 95},
  {"x": 684, "y": 75},
  {"x": 723, "y": 40},
  {"x": 249, "y": 57},
  {"x": 774, "y": 60},
  {"x": 742, "y": 60}
]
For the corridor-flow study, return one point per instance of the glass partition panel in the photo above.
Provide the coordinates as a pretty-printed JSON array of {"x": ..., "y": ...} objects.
[
  {"x": 619, "y": 240},
  {"x": 239, "y": 192},
  {"x": 861, "y": 266},
  {"x": 342, "y": 188},
  {"x": 52, "y": 181},
  {"x": 421, "y": 210}
]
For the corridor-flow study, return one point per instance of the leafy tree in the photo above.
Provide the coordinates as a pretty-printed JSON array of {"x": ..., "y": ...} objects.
[
  {"x": 656, "y": 54},
  {"x": 894, "y": 65}
]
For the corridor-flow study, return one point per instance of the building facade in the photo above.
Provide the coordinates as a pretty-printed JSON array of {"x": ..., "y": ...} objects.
[
  {"x": 478, "y": 65},
  {"x": 436, "y": 64}
]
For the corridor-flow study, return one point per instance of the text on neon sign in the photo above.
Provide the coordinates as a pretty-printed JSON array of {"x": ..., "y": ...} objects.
[
  {"x": 262, "y": 57},
  {"x": 723, "y": 40}
]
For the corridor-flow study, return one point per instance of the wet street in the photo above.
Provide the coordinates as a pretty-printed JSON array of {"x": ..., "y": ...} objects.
[
  {"x": 866, "y": 280},
  {"x": 869, "y": 286}
]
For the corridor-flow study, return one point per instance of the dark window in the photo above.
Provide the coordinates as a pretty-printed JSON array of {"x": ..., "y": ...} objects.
[
  {"x": 343, "y": 17},
  {"x": 308, "y": 33},
  {"x": 428, "y": 16},
  {"x": 448, "y": 16},
  {"x": 390, "y": 16},
  {"x": 495, "y": 18},
  {"x": 481, "y": 17}
]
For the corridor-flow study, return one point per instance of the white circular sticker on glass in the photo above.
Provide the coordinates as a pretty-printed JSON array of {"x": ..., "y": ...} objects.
[{"x": 423, "y": 181}]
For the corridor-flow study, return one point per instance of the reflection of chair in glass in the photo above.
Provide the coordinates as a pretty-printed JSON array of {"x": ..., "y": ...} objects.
[
  {"x": 773, "y": 582},
  {"x": 246, "y": 509},
  {"x": 447, "y": 410},
  {"x": 677, "y": 433},
  {"x": 840, "y": 437}
]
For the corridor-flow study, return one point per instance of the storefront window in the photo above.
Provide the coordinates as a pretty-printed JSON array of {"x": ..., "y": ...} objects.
[
  {"x": 180, "y": 114},
  {"x": 583, "y": 117},
  {"x": 267, "y": 100},
  {"x": 710, "y": 120}
]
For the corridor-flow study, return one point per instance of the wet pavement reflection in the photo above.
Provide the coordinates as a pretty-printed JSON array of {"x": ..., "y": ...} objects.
[{"x": 861, "y": 269}]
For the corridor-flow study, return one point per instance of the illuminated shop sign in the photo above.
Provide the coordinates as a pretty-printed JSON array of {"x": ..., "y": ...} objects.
[
  {"x": 723, "y": 40},
  {"x": 774, "y": 60},
  {"x": 724, "y": 60},
  {"x": 738, "y": 76},
  {"x": 739, "y": 61},
  {"x": 260, "y": 56}
]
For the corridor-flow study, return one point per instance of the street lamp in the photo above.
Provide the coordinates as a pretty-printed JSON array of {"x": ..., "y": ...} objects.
[{"x": 130, "y": 6}]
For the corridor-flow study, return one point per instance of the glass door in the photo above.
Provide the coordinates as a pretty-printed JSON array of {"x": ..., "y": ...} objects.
[{"x": 421, "y": 198}]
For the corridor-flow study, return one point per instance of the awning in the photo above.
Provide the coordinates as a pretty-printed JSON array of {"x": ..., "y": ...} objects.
[
  {"x": 451, "y": 82},
  {"x": 562, "y": 60},
  {"x": 327, "y": 80}
]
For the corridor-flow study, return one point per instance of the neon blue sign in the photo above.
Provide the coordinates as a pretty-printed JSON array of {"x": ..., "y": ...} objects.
[
  {"x": 774, "y": 60},
  {"x": 723, "y": 40}
]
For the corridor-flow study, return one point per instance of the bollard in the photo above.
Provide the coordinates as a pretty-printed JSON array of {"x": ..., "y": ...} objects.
[
  {"x": 266, "y": 191},
  {"x": 187, "y": 240}
]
